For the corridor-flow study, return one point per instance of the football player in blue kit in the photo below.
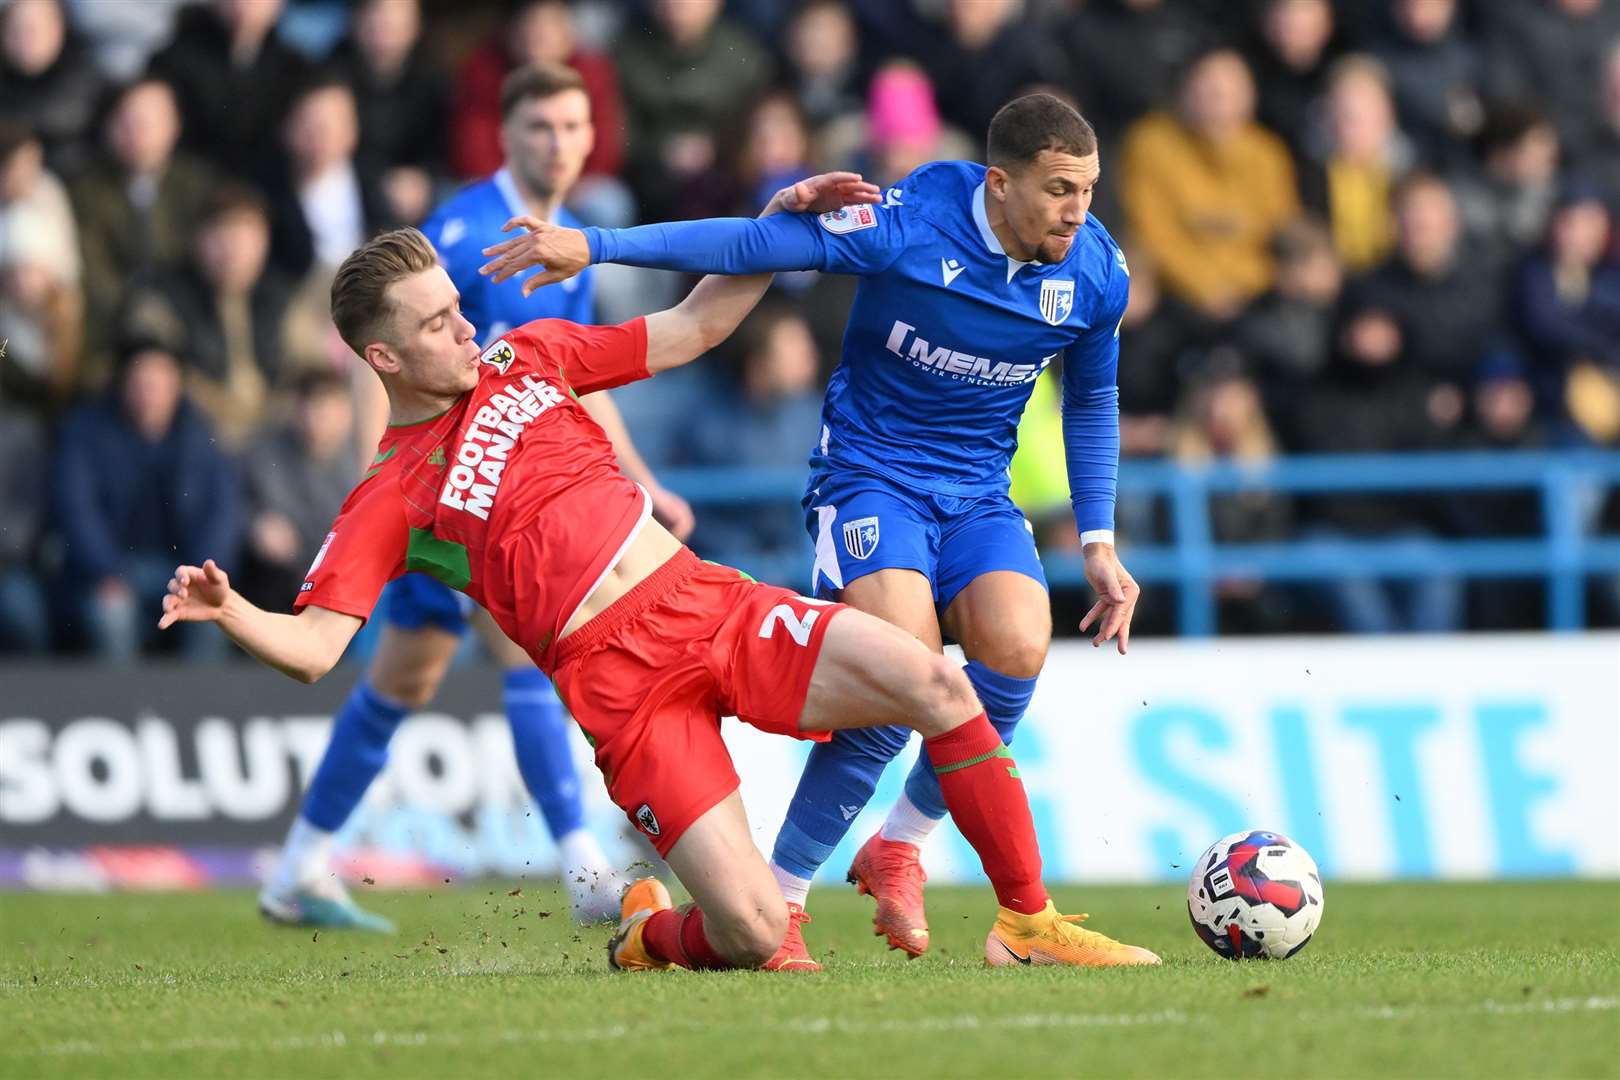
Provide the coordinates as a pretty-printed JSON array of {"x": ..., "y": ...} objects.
[
  {"x": 546, "y": 130},
  {"x": 973, "y": 280}
]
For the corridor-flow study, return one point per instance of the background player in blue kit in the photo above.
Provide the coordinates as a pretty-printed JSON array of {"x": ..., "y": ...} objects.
[
  {"x": 973, "y": 280},
  {"x": 546, "y": 130}
]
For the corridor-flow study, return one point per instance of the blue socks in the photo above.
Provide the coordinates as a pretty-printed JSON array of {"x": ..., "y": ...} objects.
[
  {"x": 544, "y": 756},
  {"x": 1005, "y": 701},
  {"x": 842, "y": 773},
  {"x": 358, "y": 750},
  {"x": 838, "y": 779},
  {"x": 355, "y": 755}
]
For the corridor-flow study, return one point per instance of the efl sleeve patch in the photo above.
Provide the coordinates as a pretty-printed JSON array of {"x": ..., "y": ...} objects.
[
  {"x": 849, "y": 219},
  {"x": 320, "y": 557}
]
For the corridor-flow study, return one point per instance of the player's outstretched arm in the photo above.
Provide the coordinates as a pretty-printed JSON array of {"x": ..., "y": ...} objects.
[
  {"x": 711, "y": 246},
  {"x": 304, "y": 646},
  {"x": 713, "y": 309}
]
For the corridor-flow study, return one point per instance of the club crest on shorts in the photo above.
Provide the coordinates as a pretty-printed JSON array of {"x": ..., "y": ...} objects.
[
  {"x": 498, "y": 356},
  {"x": 861, "y": 536},
  {"x": 647, "y": 820},
  {"x": 1057, "y": 300}
]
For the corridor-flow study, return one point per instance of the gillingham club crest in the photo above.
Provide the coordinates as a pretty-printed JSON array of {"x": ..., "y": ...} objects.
[
  {"x": 861, "y": 537},
  {"x": 1057, "y": 300}
]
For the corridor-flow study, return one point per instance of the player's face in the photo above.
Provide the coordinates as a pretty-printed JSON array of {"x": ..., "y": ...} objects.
[
  {"x": 433, "y": 343},
  {"x": 547, "y": 141},
  {"x": 1047, "y": 201}
]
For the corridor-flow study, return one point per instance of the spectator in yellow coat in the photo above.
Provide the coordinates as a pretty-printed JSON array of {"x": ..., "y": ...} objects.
[{"x": 1205, "y": 188}]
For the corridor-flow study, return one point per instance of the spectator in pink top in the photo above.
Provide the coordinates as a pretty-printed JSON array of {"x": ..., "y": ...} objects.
[{"x": 903, "y": 128}]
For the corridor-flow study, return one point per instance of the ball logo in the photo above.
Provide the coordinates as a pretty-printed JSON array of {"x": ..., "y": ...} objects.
[
  {"x": 498, "y": 356},
  {"x": 647, "y": 820}
]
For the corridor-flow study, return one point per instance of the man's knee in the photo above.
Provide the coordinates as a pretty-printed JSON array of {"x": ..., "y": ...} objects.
[
  {"x": 409, "y": 665},
  {"x": 1020, "y": 654},
  {"x": 413, "y": 689},
  {"x": 750, "y": 937},
  {"x": 944, "y": 697}
]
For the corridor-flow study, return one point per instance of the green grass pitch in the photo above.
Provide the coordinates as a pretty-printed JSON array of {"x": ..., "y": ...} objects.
[{"x": 1518, "y": 979}]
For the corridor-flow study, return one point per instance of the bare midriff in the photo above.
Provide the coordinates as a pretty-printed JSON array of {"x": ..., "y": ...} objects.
[{"x": 652, "y": 548}]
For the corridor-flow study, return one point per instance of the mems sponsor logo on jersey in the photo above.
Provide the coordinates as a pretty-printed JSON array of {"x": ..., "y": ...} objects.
[
  {"x": 952, "y": 363},
  {"x": 495, "y": 428}
]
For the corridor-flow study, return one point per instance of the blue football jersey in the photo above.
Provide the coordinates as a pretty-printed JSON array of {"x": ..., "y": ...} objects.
[
  {"x": 947, "y": 333},
  {"x": 470, "y": 221}
]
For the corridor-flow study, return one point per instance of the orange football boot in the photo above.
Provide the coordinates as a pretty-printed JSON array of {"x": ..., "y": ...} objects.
[
  {"x": 890, "y": 872},
  {"x": 626, "y": 950},
  {"x": 1049, "y": 938},
  {"x": 793, "y": 955}
]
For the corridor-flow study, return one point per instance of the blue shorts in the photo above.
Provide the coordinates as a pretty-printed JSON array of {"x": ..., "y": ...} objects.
[
  {"x": 416, "y": 600},
  {"x": 862, "y": 522}
]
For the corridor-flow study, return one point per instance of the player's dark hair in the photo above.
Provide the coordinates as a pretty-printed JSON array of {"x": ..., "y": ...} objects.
[
  {"x": 535, "y": 81},
  {"x": 1026, "y": 126},
  {"x": 360, "y": 304}
]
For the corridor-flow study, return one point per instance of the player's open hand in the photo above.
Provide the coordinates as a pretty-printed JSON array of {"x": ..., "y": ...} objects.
[
  {"x": 822, "y": 193},
  {"x": 1117, "y": 594},
  {"x": 196, "y": 594},
  {"x": 561, "y": 253}
]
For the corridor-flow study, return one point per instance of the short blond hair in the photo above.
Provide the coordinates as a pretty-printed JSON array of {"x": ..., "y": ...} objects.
[{"x": 360, "y": 305}]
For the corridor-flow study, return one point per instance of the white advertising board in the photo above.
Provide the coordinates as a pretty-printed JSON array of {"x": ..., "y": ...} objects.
[{"x": 1477, "y": 756}]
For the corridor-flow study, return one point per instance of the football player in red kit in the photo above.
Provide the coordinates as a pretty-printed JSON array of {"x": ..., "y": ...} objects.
[{"x": 493, "y": 479}]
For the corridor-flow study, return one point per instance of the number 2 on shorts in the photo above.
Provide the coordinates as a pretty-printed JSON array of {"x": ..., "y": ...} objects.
[{"x": 797, "y": 628}]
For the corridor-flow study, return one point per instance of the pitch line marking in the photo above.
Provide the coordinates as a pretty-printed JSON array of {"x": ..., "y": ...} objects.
[{"x": 823, "y": 1025}]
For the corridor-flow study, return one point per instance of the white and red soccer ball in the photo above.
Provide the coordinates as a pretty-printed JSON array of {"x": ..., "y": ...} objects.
[{"x": 1255, "y": 894}]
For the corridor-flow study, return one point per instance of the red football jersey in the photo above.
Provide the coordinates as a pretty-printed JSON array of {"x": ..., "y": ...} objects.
[{"x": 513, "y": 495}]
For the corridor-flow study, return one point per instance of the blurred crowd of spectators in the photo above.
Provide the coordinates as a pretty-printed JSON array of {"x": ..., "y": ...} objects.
[{"x": 1377, "y": 226}]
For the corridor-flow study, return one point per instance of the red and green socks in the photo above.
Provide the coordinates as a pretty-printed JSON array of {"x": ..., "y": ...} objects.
[
  {"x": 675, "y": 936},
  {"x": 979, "y": 779}
]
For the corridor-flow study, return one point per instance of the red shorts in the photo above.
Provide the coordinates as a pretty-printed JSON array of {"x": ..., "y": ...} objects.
[{"x": 649, "y": 678}]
